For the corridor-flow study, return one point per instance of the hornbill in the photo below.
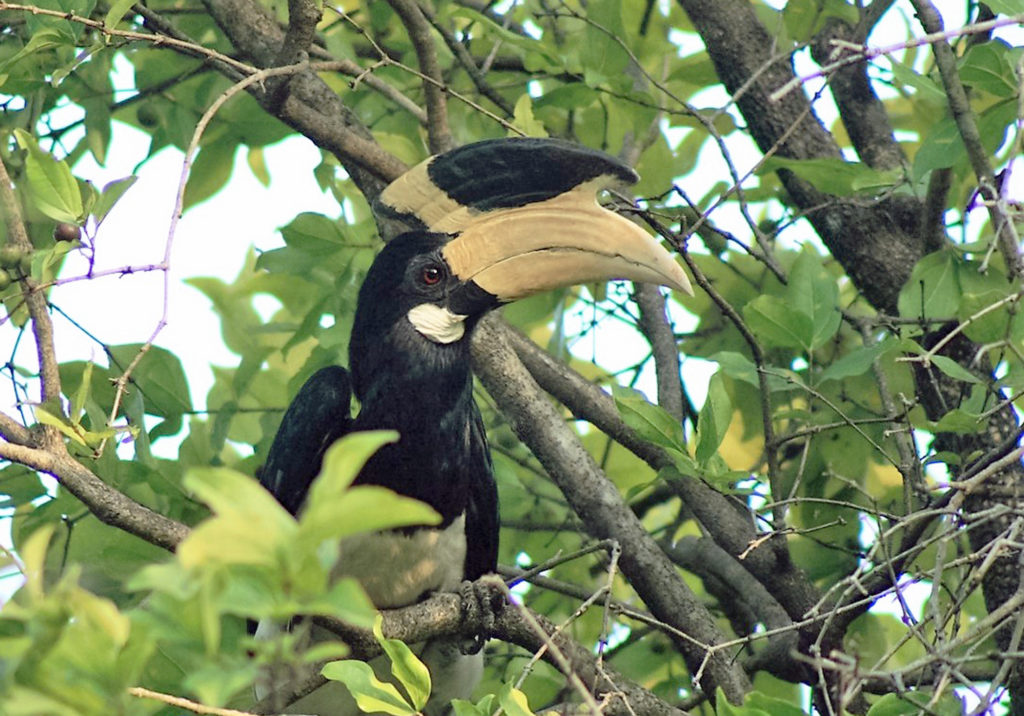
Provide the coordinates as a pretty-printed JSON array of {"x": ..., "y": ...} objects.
[{"x": 496, "y": 221}]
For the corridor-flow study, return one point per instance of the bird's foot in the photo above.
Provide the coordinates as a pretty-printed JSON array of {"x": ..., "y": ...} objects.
[{"x": 481, "y": 600}]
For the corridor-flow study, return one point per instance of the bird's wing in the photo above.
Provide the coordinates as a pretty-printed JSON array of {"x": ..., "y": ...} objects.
[
  {"x": 481, "y": 512},
  {"x": 319, "y": 415}
]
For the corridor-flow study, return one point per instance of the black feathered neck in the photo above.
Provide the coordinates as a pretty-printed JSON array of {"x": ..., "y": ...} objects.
[{"x": 409, "y": 383}]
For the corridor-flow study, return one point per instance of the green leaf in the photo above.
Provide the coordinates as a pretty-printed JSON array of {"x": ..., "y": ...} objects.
[
  {"x": 911, "y": 703},
  {"x": 257, "y": 160},
  {"x": 371, "y": 694},
  {"x": 461, "y": 707},
  {"x": 345, "y": 600},
  {"x": 858, "y": 361},
  {"x": 248, "y": 527},
  {"x": 954, "y": 370},
  {"x": 313, "y": 234},
  {"x": 513, "y": 701},
  {"x": 75, "y": 432},
  {"x": 82, "y": 394},
  {"x": 111, "y": 193},
  {"x": 834, "y": 176},
  {"x": 604, "y": 58},
  {"x": 651, "y": 422},
  {"x": 1006, "y": 7},
  {"x": 990, "y": 67},
  {"x": 42, "y": 39},
  {"x": 770, "y": 705},
  {"x": 941, "y": 148},
  {"x": 210, "y": 171},
  {"x": 958, "y": 421},
  {"x": 54, "y": 190},
  {"x": 117, "y": 11},
  {"x": 714, "y": 419},
  {"x": 335, "y": 509},
  {"x": 33, "y": 558},
  {"x": 523, "y": 118},
  {"x": 776, "y": 322},
  {"x": 344, "y": 459},
  {"x": 804, "y": 18},
  {"x": 814, "y": 293},
  {"x": 410, "y": 672},
  {"x": 932, "y": 291},
  {"x": 159, "y": 375}
]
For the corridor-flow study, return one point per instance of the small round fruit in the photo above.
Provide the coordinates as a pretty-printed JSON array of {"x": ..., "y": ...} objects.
[
  {"x": 25, "y": 264},
  {"x": 147, "y": 116},
  {"x": 66, "y": 232},
  {"x": 5, "y": 279},
  {"x": 10, "y": 256}
]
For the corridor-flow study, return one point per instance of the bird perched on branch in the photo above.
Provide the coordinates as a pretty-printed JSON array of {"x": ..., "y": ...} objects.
[{"x": 496, "y": 221}]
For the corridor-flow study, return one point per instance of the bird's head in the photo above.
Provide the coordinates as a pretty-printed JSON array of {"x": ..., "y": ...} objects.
[{"x": 501, "y": 220}]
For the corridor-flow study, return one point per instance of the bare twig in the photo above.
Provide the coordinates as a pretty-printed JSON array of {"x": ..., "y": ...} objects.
[
  {"x": 415, "y": 22},
  {"x": 187, "y": 704},
  {"x": 860, "y": 54}
]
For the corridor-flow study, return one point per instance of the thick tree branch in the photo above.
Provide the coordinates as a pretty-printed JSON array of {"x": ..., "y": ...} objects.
[
  {"x": 729, "y": 523},
  {"x": 442, "y": 615},
  {"x": 870, "y": 241},
  {"x": 603, "y": 511},
  {"x": 108, "y": 505},
  {"x": 303, "y": 16},
  {"x": 415, "y": 21},
  {"x": 658, "y": 331},
  {"x": 311, "y": 107},
  {"x": 863, "y": 114},
  {"x": 35, "y": 299},
  {"x": 960, "y": 107}
]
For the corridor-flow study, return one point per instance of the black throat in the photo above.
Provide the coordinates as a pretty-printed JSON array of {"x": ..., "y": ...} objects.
[{"x": 424, "y": 390}]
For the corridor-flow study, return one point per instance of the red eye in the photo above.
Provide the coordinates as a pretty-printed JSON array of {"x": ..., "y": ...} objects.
[{"x": 431, "y": 275}]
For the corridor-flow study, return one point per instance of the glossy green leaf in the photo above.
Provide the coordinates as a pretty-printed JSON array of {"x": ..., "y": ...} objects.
[
  {"x": 714, "y": 419},
  {"x": 53, "y": 188},
  {"x": 112, "y": 192},
  {"x": 954, "y": 370},
  {"x": 651, "y": 422},
  {"x": 990, "y": 66},
  {"x": 1006, "y": 7},
  {"x": 407, "y": 669},
  {"x": 117, "y": 11},
  {"x": 210, "y": 172},
  {"x": 814, "y": 293},
  {"x": 857, "y": 361},
  {"x": 932, "y": 290},
  {"x": 834, "y": 176},
  {"x": 371, "y": 694},
  {"x": 513, "y": 701},
  {"x": 776, "y": 322},
  {"x": 159, "y": 375}
]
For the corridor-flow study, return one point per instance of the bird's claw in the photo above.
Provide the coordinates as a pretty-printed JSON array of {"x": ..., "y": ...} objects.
[{"x": 481, "y": 600}]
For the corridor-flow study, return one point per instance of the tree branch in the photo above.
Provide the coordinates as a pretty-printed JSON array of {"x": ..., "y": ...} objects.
[
  {"x": 658, "y": 331},
  {"x": 600, "y": 506},
  {"x": 108, "y": 505},
  {"x": 440, "y": 138},
  {"x": 35, "y": 301},
  {"x": 959, "y": 106}
]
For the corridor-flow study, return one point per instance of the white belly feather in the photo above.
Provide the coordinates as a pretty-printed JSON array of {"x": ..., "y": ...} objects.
[{"x": 397, "y": 569}]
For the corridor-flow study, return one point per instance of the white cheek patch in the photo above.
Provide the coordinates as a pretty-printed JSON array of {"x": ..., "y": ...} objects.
[{"x": 436, "y": 323}]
